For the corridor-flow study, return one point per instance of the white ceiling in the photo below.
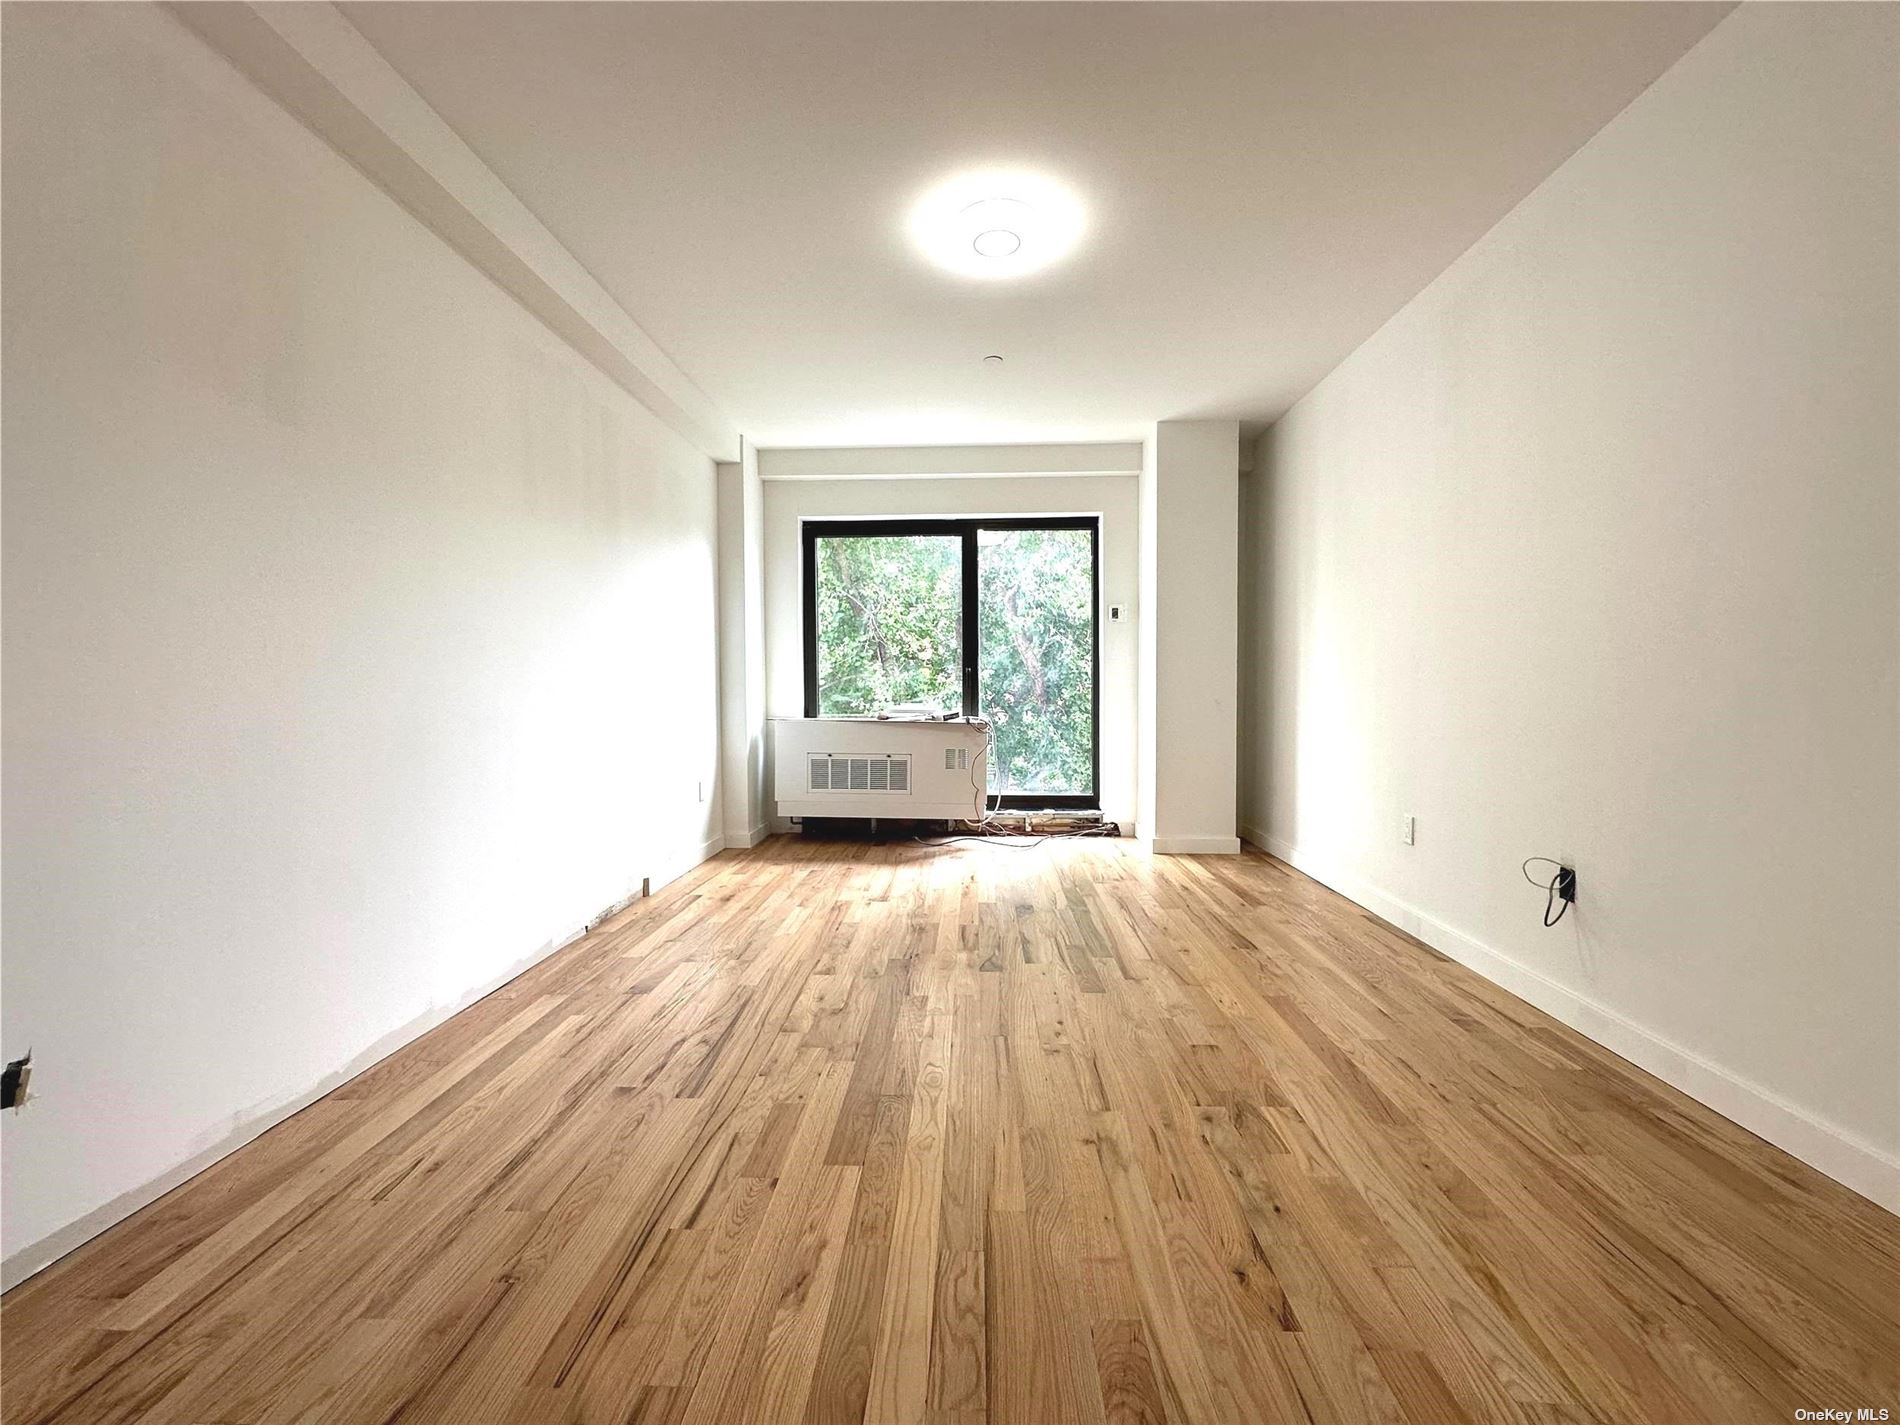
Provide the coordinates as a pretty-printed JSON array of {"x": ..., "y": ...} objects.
[{"x": 1267, "y": 183}]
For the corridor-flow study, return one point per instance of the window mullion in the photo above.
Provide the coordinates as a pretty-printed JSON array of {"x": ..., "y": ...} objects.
[{"x": 972, "y": 695}]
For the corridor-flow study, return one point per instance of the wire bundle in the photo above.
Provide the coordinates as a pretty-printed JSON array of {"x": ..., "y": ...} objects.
[
  {"x": 1560, "y": 889},
  {"x": 988, "y": 828}
]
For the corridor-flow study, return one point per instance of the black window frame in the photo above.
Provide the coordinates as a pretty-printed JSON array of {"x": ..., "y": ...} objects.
[{"x": 967, "y": 528}]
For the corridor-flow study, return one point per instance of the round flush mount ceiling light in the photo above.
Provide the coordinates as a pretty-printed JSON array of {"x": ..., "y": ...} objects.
[
  {"x": 997, "y": 242},
  {"x": 996, "y": 223}
]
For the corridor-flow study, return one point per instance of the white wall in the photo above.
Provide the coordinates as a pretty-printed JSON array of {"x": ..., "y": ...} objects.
[
  {"x": 1112, "y": 497},
  {"x": 929, "y": 462},
  {"x": 1191, "y": 503},
  {"x": 742, "y": 649},
  {"x": 1147, "y": 583},
  {"x": 349, "y": 621},
  {"x": 1591, "y": 552}
]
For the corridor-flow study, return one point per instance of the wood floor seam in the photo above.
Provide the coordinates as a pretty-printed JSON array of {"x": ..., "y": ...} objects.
[{"x": 863, "y": 1134}]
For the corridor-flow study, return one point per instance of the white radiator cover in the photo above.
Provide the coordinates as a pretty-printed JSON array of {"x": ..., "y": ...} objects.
[{"x": 878, "y": 767}]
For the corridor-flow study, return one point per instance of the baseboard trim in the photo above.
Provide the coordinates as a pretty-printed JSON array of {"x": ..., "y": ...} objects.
[
  {"x": 37, "y": 1256},
  {"x": 667, "y": 871},
  {"x": 746, "y": 840},
  {"x": 1193, "y": 845},
  {"x": 1842, "y": 1155}
]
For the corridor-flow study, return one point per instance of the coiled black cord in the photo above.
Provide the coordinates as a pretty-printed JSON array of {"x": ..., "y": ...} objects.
[{"x": 1560, "y": 889}]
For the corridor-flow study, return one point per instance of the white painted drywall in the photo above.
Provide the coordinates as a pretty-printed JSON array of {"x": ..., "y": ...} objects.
[
  {"x": 1147, "y": 580},
  {"x": 1594, "y": 552},
  {"x": 787, "y": 502},
  {"x": 1192, "y": 505},
  {"x": 358, "y": 635},
  {"x": 940, "y": 462},
  {"x": 742, "y": 649},
  {"x": 313, "y": 61}
]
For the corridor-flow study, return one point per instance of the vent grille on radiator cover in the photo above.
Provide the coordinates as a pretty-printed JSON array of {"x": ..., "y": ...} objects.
[{"x": 858, "y": 774}]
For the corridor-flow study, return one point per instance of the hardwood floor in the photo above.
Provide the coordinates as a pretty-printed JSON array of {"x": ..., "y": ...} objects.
[{"x": 973, "y": 1134}]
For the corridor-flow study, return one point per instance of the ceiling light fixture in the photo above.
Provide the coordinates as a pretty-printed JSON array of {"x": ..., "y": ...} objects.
[{"x": 996, "y": 223}]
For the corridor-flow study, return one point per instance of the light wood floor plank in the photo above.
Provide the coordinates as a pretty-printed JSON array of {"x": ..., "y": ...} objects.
[{"x": 967, "y": 1135}]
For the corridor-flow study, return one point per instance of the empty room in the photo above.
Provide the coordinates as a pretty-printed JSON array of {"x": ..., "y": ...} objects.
[{"x": 949, "y": 713}]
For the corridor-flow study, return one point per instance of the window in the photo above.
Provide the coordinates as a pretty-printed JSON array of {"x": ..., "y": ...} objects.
[
  {"x": 987, "y": 617},
  {"x": 890, "y": 615}
]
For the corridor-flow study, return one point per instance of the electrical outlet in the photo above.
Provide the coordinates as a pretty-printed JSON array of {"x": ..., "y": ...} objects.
[{"x": 1408, "y": 829}]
